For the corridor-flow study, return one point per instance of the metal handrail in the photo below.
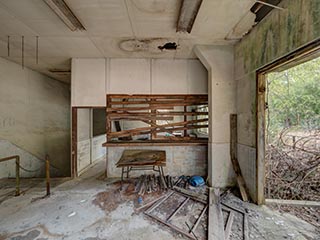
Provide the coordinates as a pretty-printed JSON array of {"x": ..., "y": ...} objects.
[{"x": 17, "y": 170}]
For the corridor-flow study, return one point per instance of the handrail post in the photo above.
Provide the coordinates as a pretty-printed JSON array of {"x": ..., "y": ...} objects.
[
  {"x": 48, "y": 175},
  {"x": 17, "y": 175}
]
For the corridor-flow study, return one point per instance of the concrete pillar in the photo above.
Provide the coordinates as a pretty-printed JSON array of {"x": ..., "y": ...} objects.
[{"x": 219, "y": 61}]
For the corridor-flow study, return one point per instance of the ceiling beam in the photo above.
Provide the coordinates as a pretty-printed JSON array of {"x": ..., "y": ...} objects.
[
  {"x": 188, "y": 13},
  {"x": 65, "y": 14}
]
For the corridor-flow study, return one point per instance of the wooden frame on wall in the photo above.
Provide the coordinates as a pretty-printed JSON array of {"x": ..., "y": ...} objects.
[
  {"x": 304, "y": 53},
  {"x": 157, "y": 113}
]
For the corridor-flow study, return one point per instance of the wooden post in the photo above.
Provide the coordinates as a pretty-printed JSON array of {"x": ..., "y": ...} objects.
[
  {"x": 234, "y": 159},
  {"x": 17, "y": 175},
  {"x": 48, "y": 175}
]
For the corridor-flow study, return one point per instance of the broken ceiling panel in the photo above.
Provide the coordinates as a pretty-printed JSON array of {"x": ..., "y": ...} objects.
[
  {"x": 242, "y": 27},
  {"x": 261, "y": 10}
]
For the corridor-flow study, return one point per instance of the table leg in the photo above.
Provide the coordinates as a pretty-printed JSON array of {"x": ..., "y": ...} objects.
[
  {"x": 127, "y": 172},
  {"x": 122, "y": 172}
]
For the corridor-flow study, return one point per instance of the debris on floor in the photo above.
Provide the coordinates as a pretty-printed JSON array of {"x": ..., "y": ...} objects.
[{"x": 104, "y": 212}]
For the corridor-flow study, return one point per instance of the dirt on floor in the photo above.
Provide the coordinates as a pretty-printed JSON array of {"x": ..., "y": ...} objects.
[{"x": 91, "y": 208}]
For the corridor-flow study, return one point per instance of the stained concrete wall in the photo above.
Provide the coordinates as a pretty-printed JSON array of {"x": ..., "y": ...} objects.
[
  {"x": 84, "y": 138},
  {"x": 219, "y": 61},
  {"x": 275, "y": 36},
  {"x": 99, "y": 121},
  {"x": 92, "y": 79},
  {"x": 142, "y": 76},
  {"x": 182, "y": 160},
  {"x": 88, "y": 81},
  {"x": 34, "y": 119}
]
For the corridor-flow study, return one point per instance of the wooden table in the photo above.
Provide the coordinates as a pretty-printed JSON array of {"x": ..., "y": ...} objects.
[{"x": 142, "y": 160}]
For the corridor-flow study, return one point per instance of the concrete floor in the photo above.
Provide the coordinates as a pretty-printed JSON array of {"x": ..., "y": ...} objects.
[{"x": 73, "y": 212}]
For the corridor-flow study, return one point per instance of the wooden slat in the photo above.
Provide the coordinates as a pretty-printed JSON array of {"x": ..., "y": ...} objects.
[
  {"x": 229, "y": 225},
  {"x": 178, "y": 209},
  {"x": 144, "y": 119},
  {"x": 177, "y": 102},
  {"x": 155, "y": 107},
  {"x": 156, "y": 128},
  {"x": 199, "y": 219},
  {"x": 157, "y": 96},
  {"x": 146, "y": 114},
  {"x": 142, "y": 132},
  {"x": 147, "y": 108}
]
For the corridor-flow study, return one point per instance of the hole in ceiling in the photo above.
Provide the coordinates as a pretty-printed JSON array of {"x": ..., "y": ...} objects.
[{"x": 168, "y": 46}]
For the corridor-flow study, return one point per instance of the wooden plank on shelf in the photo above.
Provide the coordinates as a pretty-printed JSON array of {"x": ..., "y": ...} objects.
[
  {"x": 197, "y": 142},
  {"x": 158, "y": 96}
]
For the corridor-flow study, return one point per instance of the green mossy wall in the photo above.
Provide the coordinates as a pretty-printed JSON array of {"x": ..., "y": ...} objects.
[{"x": 278, "y": 34}]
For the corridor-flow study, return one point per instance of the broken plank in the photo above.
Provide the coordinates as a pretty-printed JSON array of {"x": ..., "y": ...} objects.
[
  {"x": 171, "y": 226},
  {"x": 199, "y": 219},
  {"x": 229, "y": 225},
  {"x": 195, "y": 195},
  {"x": 158, "y": 96},
  {"x": 158, "y": 203},
  {"x": 156, "y": 128},
  {"x": 149, "y": 203},
  {"x": 148, "y": 114},
  {"x": 178, "y": 209}
]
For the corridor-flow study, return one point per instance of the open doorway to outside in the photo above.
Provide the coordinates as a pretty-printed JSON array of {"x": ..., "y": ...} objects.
[{"x": 288, "y": 134}]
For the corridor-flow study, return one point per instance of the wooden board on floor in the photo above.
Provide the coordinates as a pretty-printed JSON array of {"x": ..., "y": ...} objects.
[{"x": 215, "y": 217}]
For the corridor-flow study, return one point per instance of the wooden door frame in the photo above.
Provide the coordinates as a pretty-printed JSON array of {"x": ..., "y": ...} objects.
[
  {"x": 304, "y": 52},
  {"x": 74, "y": 138}
]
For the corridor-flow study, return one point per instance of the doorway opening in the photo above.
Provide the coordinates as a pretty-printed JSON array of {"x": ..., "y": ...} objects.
[
  {"x": 288, "y": 133},
  {"x": 88, "y": 135},
  {"x": 293, "y": 132}
]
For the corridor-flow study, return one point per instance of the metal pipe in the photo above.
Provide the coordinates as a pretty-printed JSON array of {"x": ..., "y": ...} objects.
[
  {"x": 22, "y": 52},
  {"x": 270, "y": 5},
  {"x": 17, "y": 158},
  {"x": 48, "y": 175},
  {"x": 17, "y": 175}
]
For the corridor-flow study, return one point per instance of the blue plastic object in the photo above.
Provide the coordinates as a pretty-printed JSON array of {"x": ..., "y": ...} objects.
[{"x": 196, "y": 181}]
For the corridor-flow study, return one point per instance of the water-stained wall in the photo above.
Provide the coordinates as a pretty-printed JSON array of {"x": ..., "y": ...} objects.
[
  {"x": 278, "y": 34},
  {"x": 34, "y": 120}
]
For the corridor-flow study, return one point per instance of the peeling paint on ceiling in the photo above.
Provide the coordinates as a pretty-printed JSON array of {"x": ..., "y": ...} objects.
[{"x": 114, "y": 29}]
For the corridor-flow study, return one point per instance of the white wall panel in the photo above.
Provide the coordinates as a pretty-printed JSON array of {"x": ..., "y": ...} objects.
[
  {"x": 169, "y": 76},
  {"x": 197, "y": 76},
  {"x": 88, "y": 79},
  {"x": 129, "y": 76}
]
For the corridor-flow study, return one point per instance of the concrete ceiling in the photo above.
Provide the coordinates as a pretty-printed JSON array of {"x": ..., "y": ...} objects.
[{"x": 113, "y": 28}]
